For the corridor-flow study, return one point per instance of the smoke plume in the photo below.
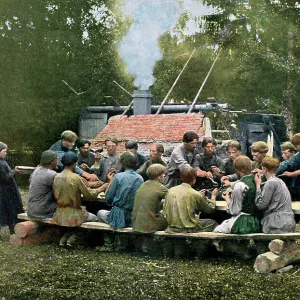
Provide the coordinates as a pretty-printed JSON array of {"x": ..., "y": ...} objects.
[{"x": 151, "y": 18}]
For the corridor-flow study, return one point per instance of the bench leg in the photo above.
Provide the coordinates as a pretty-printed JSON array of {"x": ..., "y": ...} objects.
[
  {"x": 177, "y": 248},
  {"x": 243, "y": 249},
  {"x": 109, "y": 240},
  {"x": 151, "y": 246},
  {"x": 168, "y": 248},
  {"x": 201, "y": 248},
  {"x": 180, "y": 248},
  {"x": 121, "y": 242}
]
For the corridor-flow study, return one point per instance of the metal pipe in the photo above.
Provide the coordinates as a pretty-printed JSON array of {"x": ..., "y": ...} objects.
[
  {"x": 196, "y": 98},
  {"x": 167, "y": 108},
  {"x": 171, "y": 89}
]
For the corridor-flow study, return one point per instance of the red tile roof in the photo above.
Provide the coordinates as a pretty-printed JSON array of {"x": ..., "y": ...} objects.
[{"x": 148, "y": 128}]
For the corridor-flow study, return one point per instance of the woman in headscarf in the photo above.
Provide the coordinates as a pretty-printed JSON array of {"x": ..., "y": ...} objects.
[{"x": 10, "y": 198}]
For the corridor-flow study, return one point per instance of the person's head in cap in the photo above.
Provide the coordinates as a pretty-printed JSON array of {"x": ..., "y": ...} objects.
[
  {"x": 131, "y": 146},
  {"x": 69, "y": 160},
  {"x": 49, "y": 159},
  {"x": 3, "y": 150},
  {"x": 128, "y": 160}
]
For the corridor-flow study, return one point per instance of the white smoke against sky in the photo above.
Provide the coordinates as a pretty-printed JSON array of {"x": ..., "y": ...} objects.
[{"x": 152, "y": 18}]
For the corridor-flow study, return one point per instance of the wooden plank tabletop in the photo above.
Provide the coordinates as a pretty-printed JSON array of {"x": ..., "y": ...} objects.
[
  {"x": 100, "y": 198},
  {"x": 221, "y": 205},
  {"x": 296, "y": 207}
]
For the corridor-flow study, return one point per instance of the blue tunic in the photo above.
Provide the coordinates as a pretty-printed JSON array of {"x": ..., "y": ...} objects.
[
  {"x": 61, "y": 150},
  {"x": 121, "y": 197},
  {"x": 293, "y": 183}
]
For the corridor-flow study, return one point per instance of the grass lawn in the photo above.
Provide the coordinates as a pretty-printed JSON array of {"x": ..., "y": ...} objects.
[{"x": 47, "y": 271}]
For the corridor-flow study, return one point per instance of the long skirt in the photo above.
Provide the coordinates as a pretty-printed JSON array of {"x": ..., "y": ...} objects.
[{"x": 10, "y": 204}]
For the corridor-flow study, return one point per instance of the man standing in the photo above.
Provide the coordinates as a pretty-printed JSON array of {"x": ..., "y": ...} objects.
[
  {"x": 41, "y": 202},
  {"x": 108, "y": 162},
  {"x": 288, "y": 150},
  {"x": 65, "y": 144},
  {"x": 156, "y": 151},
  {"x": 183, "y": 155},
  {"x": 10, "y": 198}
]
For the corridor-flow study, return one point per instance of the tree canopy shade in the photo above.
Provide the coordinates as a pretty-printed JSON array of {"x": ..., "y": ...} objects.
[
  {"x": 46, "y": 43},
  {"x": 258, "y": 68},
  {"x": 59, "y": 56}
]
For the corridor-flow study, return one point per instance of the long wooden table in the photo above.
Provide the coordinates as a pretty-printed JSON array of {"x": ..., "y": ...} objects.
[{"x": 221, "y": 205}]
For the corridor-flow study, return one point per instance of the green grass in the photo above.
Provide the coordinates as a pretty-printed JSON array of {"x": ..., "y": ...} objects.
[{"x": 47, "y": 271}]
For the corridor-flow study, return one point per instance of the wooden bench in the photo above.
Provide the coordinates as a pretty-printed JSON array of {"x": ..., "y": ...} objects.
[
  {"x": 284, "y": 249},
  {"x": 199, "y": 235}
]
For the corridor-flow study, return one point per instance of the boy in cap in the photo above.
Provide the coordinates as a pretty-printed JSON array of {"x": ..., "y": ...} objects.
[
  {"x": 65, "y": 145},
  {"x": 41, "y": 201}
]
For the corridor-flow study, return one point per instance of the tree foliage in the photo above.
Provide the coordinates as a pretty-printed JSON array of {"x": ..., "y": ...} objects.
[
  {"x": 46, "y": 45},
  {"x": 258, "y": 68},
  {"x": 58, "y": 57}
]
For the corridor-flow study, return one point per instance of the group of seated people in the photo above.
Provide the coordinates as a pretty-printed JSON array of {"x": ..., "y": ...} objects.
[{"x": 150, "y": 195}]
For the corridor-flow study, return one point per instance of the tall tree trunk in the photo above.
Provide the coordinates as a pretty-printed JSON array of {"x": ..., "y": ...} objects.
[{"x": 289, "y": 95}]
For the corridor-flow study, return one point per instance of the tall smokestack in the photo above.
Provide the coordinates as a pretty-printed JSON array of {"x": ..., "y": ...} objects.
[{"x": 142, "y": 102}]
